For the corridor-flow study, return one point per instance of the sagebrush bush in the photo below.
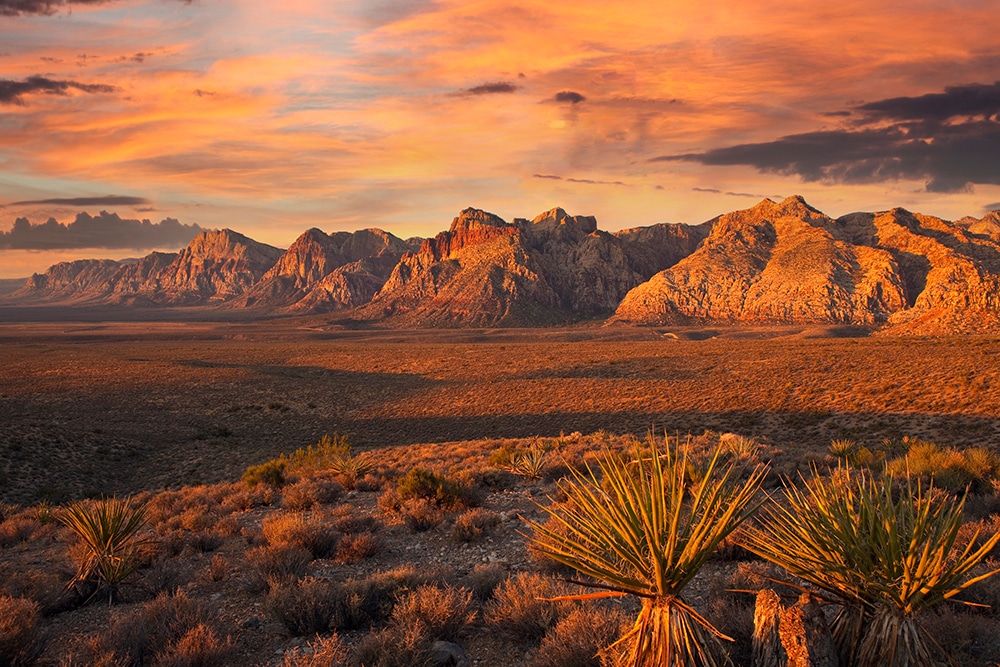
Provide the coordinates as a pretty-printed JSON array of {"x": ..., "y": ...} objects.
[
  {"x": 395, "y": 646},
  {"x": 438, "y": 612},
  {"x": 321, "y": 652},
  {"x": 421, "y": 514},
  {"x": 18, "y": 630},
  {"x": 198, "y": 647},
  {"x": 354, "y": 548},
  {"x": 579, "y": 639},
  {"x": 136, "y": 636},
  {"x": 472, "y": 525},
  {"x": 309, "y": 606},
  {"x": 484, "y": 579},
  {"x": 279, "y": 564},
  {"x": 16, "y": 530},
  {"x": 349, "y": 521},
  {"x": 311, "y": 533},
  {"x": 310, "y": 492},
  {"x": 370, "y": 601},
  {"x": 522, "y": 608}
]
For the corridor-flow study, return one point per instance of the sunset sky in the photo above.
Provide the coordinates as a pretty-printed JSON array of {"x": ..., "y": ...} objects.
[{"x": 273, "y": 117}]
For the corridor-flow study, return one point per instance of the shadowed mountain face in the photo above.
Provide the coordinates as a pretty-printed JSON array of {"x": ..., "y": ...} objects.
[{"x": 778, "y": 262}]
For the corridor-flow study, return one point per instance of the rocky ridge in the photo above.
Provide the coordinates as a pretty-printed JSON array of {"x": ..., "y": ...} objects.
[{"x": 777, "y": 262}]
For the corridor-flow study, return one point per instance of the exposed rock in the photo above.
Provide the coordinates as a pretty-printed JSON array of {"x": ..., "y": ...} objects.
[
  {"x": 215, "y": 266},
  {"x": 80, "y": 280},
  {"x": 487, "y": 272},
  {"x": 771, "y": 263},
  {"x": 321, "y": 272}
]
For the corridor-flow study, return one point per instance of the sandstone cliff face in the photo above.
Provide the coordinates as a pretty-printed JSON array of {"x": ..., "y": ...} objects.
[
  {"x": 788, "y": 262},
  {"x": 361, "y": 260},
  {"x": 215, "y": 266},
  {"x": 485, "y": 271},
  {"x": 988, "y": 225},
  {"x": 775, "y": 262},
  {"x": 80, "y": 280}
]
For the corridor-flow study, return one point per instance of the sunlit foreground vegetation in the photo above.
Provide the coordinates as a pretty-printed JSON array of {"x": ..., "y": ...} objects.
[{"x": 555, "y": 552}]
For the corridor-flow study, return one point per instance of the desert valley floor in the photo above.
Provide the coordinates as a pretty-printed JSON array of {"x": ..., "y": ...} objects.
[{"x": 91, "y": 408}]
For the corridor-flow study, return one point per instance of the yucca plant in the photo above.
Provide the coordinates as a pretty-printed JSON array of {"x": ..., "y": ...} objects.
[
  {"x": 109, "y": 530},
  {"x": 528, "y": 463},
  {"x": 885, "y": 549},
  {"x": 640, "y": 527}
]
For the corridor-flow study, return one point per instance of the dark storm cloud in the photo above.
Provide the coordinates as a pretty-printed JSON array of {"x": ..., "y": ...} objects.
[
  {"x": 498, "y": 87},
  {"x": 995, "y": 206},
  {"x": 971, "y": 101},
  {"x": 106, "y": 230},
  {"x": 950, "y": 140},
  {"x": 569, "y": 96},
  {"x": 46, "y": 7},
  {"x": 109, "y": 200},
  {"x": 11, "y": 91}
]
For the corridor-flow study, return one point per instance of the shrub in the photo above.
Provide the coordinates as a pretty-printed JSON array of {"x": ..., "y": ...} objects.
[
  {"x": 109, "y": 532},
  {"x": 523, "y": 606},
  {"x": 279, "y": 564},
  {"x": 393, "y": 647},
  {"x": 321, "y": 652},
  {"x": 310, "y": 492},
  {"x": 370, "y": 601},
  {"x": 136, "y": 636},
  {"x": 643, "y": 528},
  {"x": 198, "y": 647},
  {"x": 528, "y": 463},
  {"x": 270, "y": 472},
  {"x": 884, "y": 550},
  {"x": 442, "y": 491},
  {"x": 18, "y": 630},
  {"x": 484, "y": 579},
  {"x": 437, "y": 613},
  {"x": 421, "y": 514},
  {"x": 470, "y": 526},
  {"x": 218, "y": 568},
  {"x": 357, "y": 547},
  {"x": 316, "y": 536},
  {"x": 16, "y": 530},
  {"x": 308, "y": 607},
  {"x": 350, "y": 521},
  {"x": 578, "y": 639}
]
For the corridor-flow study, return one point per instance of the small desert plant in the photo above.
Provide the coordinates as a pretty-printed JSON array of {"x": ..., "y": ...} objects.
[
  {"x": 270, "y": 472},
  {"x": 740, "y": 447},
  {"x": 528, "y": 463},
  {"x": 313, "y": 534},
  {"x": 394, "y": 646},
  {"x": 370, "y": 601},
  {"x": 218, "y": 568},
  {"x": 484, "y": 579},
  {"x": 109, "y": 532},
  {"x": 578, "y": 639},
  {"x": 17, "y": 529},
  {"x": 643, "y": 528},
  {"x": 18, "y": 629},
  {"x": 437, "y": 612},
  {"x": 198, "y": 647},
  {"x": 421, "y": 514},
  {"x": 884, "y": 548},
  {"x": 156, "y": 629},
  {"x": 526, "y": 606},
  {"x": 441, "y": 490},
  {"x": 356, "y": 547},
  {"x": 279, "y": 564},
  {"x": 310, "y": 492},
  {"x": 952, "y": 469},
  {"x": 470, "y": 526},
  {"x": 307, "y": 607},
  {"x": 321, "y": 652},
  {"x": 844, "y": 448}
]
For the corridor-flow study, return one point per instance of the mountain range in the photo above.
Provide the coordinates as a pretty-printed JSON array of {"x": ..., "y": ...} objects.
[{"x": 777, "y": 262}]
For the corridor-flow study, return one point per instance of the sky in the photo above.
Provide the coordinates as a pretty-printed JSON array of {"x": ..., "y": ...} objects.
[{"x": 273, "y": 117}]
